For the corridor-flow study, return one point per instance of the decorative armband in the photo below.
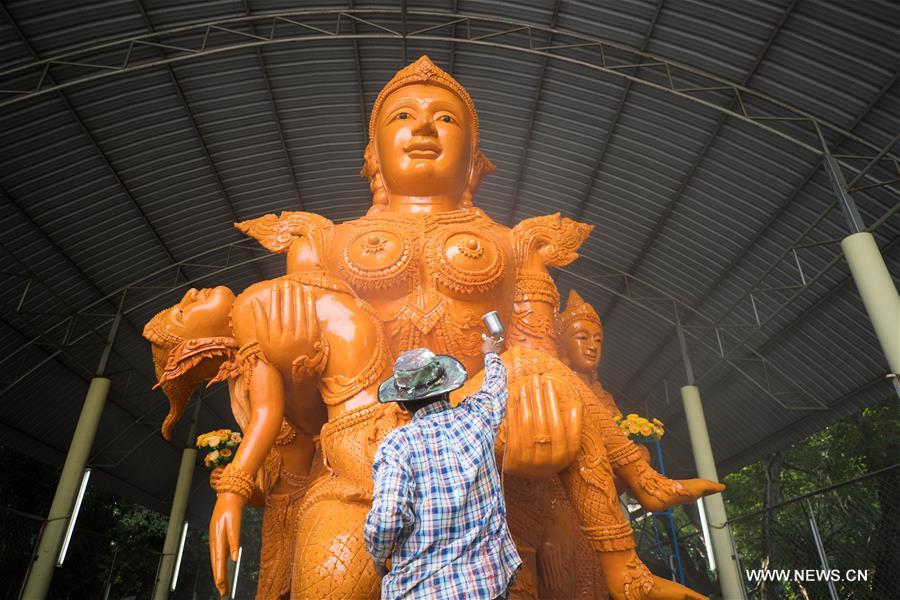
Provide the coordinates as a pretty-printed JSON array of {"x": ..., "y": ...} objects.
[
  {"x": 535, "y": 286},
  {"x": 235, "y": 481},
  {"x": 624, "y": 455},
  {"x": 244, "y": 361}
]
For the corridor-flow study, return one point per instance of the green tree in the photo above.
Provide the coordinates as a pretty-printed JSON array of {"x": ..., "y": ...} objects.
[{"x": 859, "y": 522}]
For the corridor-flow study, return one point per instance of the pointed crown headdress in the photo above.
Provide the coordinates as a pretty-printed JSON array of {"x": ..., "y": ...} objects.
[
  {"x": 577, "y": 310},
  {"x": 424, "y": 71}
]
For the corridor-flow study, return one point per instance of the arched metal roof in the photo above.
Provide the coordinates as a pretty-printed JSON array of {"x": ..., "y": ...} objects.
[{"x": 692, "y": 134}]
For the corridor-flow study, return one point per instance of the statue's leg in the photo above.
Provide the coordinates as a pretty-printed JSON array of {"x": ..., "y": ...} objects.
[
  {"x": 567, "y": 566},
  {"x": 330, "y": 557},
  {"x": 525, "y": 522},
  {"x": 279, "y": 527}
]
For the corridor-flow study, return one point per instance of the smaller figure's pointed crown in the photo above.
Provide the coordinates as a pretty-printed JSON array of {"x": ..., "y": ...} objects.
[
  {"x": 577, "y": 310},
  {"x": 424, "y": 71}
]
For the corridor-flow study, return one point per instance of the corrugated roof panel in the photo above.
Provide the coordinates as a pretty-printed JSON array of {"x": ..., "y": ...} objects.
[
  {"x": 690, "y": 203},
  {"x": 621, "y": 22}
]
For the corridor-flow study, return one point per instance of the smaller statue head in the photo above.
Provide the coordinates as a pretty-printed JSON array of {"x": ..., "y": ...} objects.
[
  {"x": 581, "y": 335},
  {"x": 189, "y": 342},
  {"x": 423, "y": 138}
]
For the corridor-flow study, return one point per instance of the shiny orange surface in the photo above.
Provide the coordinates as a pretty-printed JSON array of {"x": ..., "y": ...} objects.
[{"x": 419, "y": 269}]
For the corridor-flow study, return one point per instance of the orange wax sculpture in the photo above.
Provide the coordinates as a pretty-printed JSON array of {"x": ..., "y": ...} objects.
[{"x": 307, "y": 350}]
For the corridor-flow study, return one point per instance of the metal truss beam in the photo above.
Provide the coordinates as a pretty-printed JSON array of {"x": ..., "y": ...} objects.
[
  {"x": 361, "y": 86},
  {"x": 736, "y": 461},
  {"x": 60, "y": 334},
  {"x": 56, "y": 338},
  {"x": 47, "y": 77},
  {"x": 274, "y": 107},
  {"x": 82, "y": 372},
  {"x": 798, "y": 242},
  {"x": 671, "y": 310},
  {"x": 678, "y": 414},
  {"x": 533, "y": 112},
  {"x": 31, "y": 278},
  {"x": 122, "y": 56},
  {"x": 663, "y": 220},
  {"x": 196, "y": 128},
  {"x": 614, "y": 123}
]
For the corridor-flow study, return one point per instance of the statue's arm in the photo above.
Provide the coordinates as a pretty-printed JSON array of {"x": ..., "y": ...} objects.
[
  {"x": 237, "y": 484},
  {"x": 266, "y": 413},
  {"x": 538, "y": 244}
]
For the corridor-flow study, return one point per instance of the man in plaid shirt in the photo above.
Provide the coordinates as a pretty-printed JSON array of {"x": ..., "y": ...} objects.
[{"x": 438, "y": 511}]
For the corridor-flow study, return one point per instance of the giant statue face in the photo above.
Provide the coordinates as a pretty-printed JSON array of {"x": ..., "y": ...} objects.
[
  {"x": 424, "y": 141},
  {"x": 583, "y": 342},
  {"x": 198, "y": 326},
  {"x": 201, "y": 313}
]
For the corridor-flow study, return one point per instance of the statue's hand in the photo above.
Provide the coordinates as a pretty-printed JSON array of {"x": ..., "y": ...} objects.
[
  {"x": 656, "y": 492},
  {"x": 224, "y": 537},
  {"x": 543, "y": 433},
  {"x": 214, "y": 476},
  {"x": 288, "y": 329}
]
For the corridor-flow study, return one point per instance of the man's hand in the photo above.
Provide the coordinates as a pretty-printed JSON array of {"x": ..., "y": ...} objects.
[
  {"x": 224, "y": 537},
  {"x": 489, "y": 344}
]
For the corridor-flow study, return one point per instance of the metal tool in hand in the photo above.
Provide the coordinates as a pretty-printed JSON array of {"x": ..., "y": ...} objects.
[{"x": 494, "y": 326}]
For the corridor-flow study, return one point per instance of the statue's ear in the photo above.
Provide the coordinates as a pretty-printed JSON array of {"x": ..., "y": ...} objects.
[
  {"x": 371, "y": 170},
  {"x": 481, "y": 167}
]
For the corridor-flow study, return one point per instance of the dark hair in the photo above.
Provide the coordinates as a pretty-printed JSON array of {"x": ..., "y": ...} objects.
[{"x": 411, "y": 406}]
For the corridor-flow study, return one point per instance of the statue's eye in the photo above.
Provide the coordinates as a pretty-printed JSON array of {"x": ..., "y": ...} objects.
[
  {"x": 447, "y": 119},
  {"x": 403, "y": 115}
]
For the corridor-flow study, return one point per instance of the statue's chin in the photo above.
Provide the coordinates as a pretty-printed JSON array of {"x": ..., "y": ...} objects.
[{"x": 590, "y": 365}]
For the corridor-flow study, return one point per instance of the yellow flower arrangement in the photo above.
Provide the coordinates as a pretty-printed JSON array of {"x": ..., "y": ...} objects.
[
  {"x": 640, "y": 428},
  {"x": 220, "y": 446}
]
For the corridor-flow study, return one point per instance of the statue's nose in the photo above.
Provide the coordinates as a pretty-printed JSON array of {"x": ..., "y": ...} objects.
[{"x": 424, "y": 126}]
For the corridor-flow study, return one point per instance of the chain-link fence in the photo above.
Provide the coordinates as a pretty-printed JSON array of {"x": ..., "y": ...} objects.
[
  {"x": 836, "y": 543},
  {"x": 127, "y": 567},
  {"x": 839, "y": 542},
  {"x": 19, "y": 532}
]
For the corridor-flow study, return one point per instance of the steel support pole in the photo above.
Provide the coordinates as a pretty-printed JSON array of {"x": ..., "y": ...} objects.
[
  {"x": 820, "y": 549},
  {"x": 716, "y": 517},
  {"x": 876, "y": 288},
  {"x": 179, "y": 508},
  {"x": 40, "y": 574}
]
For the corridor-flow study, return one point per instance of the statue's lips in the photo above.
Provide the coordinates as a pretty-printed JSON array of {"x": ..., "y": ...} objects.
[
  {"x": 423, "y": 149},
  {"x": 428, "y": 154}
]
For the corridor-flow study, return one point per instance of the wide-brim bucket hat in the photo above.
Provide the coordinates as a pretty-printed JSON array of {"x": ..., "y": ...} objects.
[{"x": 419, "y": 374}]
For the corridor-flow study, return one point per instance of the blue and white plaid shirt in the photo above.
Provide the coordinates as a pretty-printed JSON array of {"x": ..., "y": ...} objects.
[{"x": 438, "y": 511}]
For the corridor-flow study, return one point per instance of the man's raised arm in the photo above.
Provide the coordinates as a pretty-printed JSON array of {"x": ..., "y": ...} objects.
[{"x": 493, "y": 393}]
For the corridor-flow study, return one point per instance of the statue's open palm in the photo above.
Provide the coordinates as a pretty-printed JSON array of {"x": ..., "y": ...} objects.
[
  {"x": 287, "y": 330},
  {"x": 543, "y": 427}
]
